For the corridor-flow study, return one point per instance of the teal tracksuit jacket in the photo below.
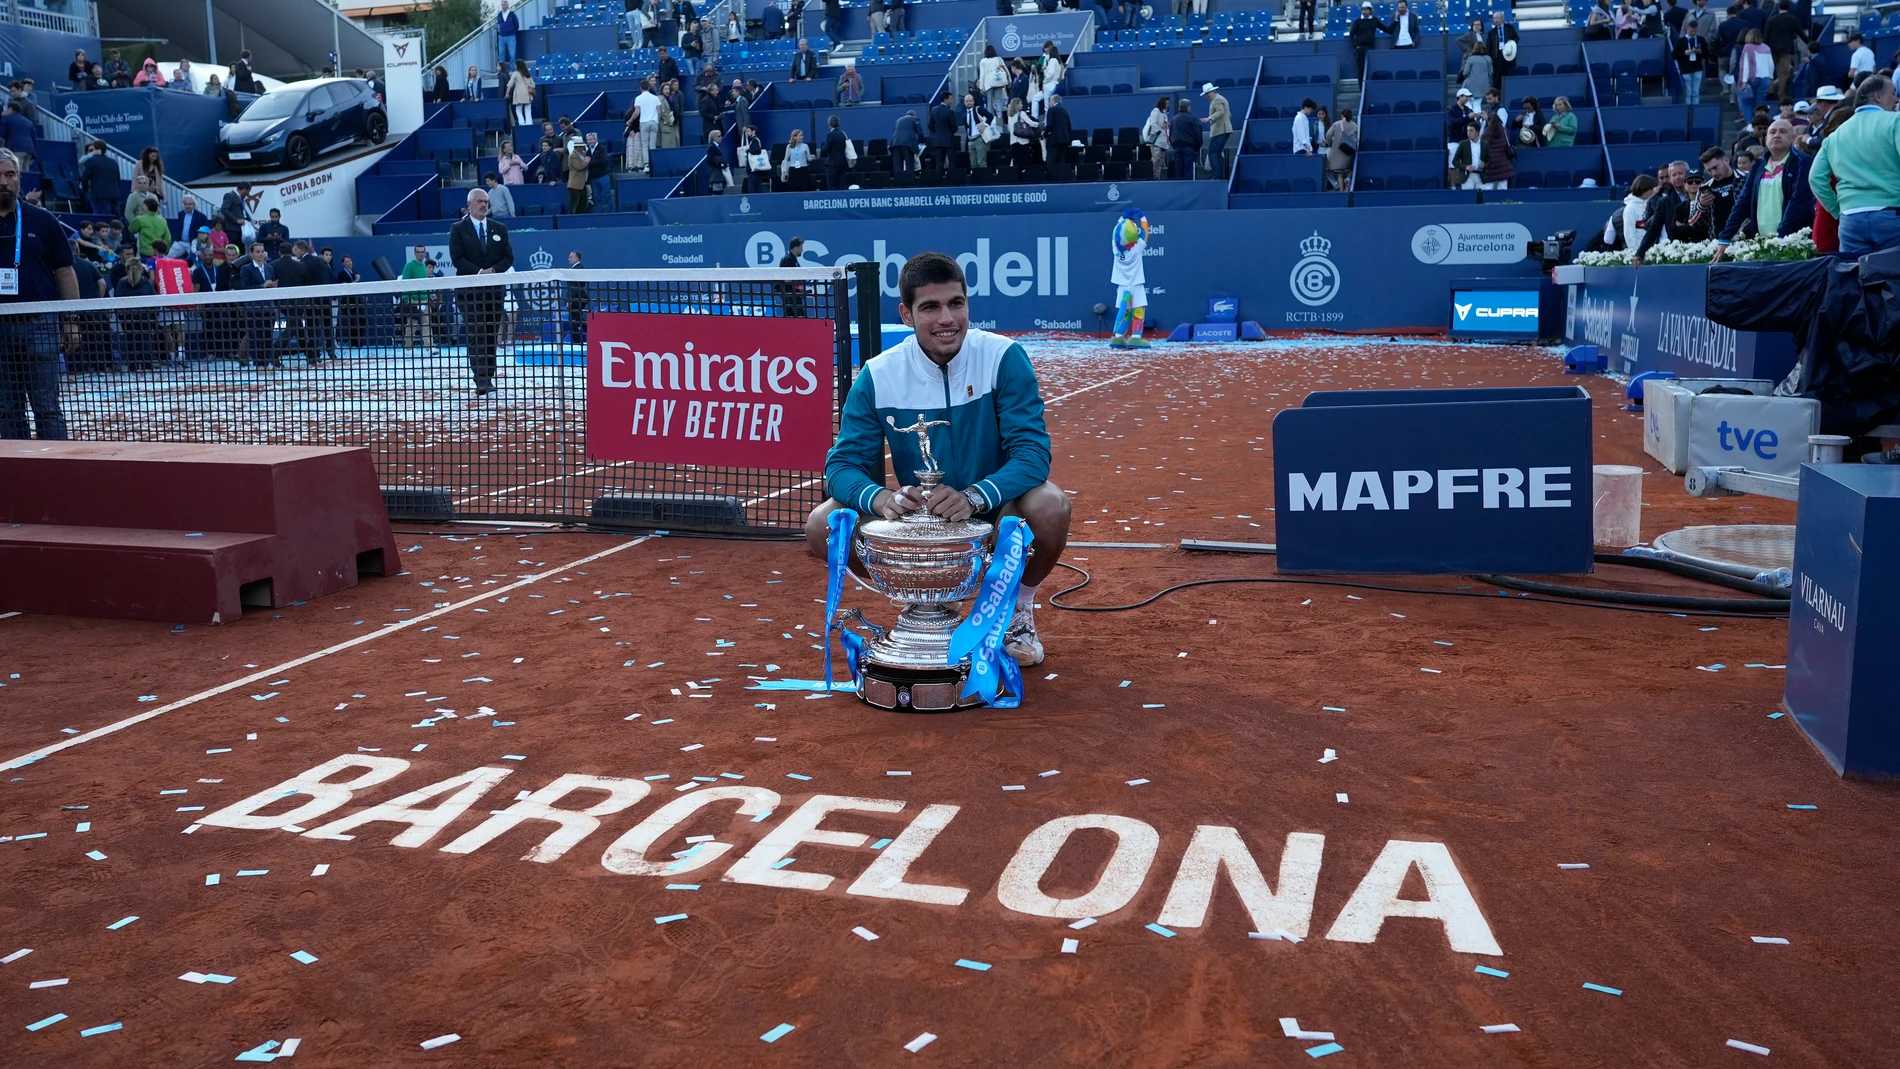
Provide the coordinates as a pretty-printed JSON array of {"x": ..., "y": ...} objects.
[{"x": 996, "y": 440}]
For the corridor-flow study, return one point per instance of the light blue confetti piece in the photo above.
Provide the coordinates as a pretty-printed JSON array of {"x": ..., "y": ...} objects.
[
  {"x": 705, "y": 779},
  {"x": 761, "y": 816},
  {"x": 1776, "y": 716},
  {"x": 95, "y": 855},
  {"x": 1332, "y": 709},
  {"x": 84, "y": 825},
  {"x": 304, "y": 956},
  {"x": 102, "y": 1029},
  {"x": 978, "y": 966},
  {"x": 260, "y": 1053},
  {"x": 794, "y": 775},
  {"x": 730, "y": 775},
  {"x": 880, "y": 844},
  {"x": 286, "y": 720},
  {"x": 501, "y": 723},
  {"x": 1125, "y": 682},
  {"x": 1159, "y": 930},
  {"x": 148, "y": 697},
  {"x": 1794, "y": 805},
  {"x": 514, "y": 757},
  {"x": 777, "y": 1034},
  {"x": 224, "y": 749},
  {"x": 1489, "y": 971},
  {"x": 253, "y": 872},
  {"x": 29, "y": 835},
  {"x": 1440, "y": 642},
  {"x": 1323, "y": 1050},
  {"x": 1153, "y": 705},
  {"x": 54, "y": 1019},
  {"x": 783, "y": 862},
  {"x": 682, "y": 887},
  {"x": 69, "y": 731},
  {"x": 650, "y": 779},
  {"x": 174, "y": 790},
  {"x": 211, "y": 879},
  {"x": 657, "y": 723},
  {"x": 669, "y": 918},
  {"x": 1605, "y": 990},
  {"x": 265, "y": 697},
  {"x": 219, "y": 978},
  {"x": 118, "y": 924}
]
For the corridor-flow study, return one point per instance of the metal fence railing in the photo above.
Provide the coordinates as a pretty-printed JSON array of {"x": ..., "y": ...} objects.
[{"x": 399, "y": 368}]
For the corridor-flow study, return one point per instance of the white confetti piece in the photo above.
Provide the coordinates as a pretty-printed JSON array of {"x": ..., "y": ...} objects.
[
  {"x": 1291, "y": 1027},
  {"x": 865, "y": 934},
  {"x": 1496, "y": 1029},
  {"x": 440, "y": 1041},
  {"x": 1749, "y": 1047},
  {"x": 1083, "y": 923},
  {"x": 1069, "y": 946},
  {"x": 1773, "y": 940},
  {"x": 37, "y": 984},
  {"x": 1340, "y": 798},
  {"x": 1572, "y": 865},
  {"x": 1327, "y": 757},
  {"x": 320, "y": 870},
  {"x": 922, "y": 1041},
  {"x": 16, "y": 955},
  {"x": 1136, "y": 782}
]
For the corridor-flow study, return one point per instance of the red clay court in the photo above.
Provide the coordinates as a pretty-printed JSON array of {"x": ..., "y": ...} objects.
[{"x": 1304, "y": 758}]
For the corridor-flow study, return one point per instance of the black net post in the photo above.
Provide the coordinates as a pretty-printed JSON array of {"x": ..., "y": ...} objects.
[
  {"x": 841, "y": 314},
  {"x": 870, "y": 307}
]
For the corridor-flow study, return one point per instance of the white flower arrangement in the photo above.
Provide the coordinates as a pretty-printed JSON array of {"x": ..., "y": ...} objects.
[{"x": 1796, "y": 246}]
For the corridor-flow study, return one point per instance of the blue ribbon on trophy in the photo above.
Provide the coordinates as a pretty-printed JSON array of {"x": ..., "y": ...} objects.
[
  {"x": 844, "y": 523},
  {"x": 993, "y": 673}
]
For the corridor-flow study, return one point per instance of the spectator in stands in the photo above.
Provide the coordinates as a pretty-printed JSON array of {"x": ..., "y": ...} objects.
[
  {"x": 87, "y": 242},
  {"x": 708, "y": 35},
  {"x": 412, "y": 308},
  {"x": 514, "y": 169},
  {"x": 906, "y": 136},
  {"x": 213, "y": 87},
  {"x": 804, "y": 62},
  {"x": 1690, "y": 52},
  {"x": 1665, "y": 209},
  {"x": 149, "y": 75},
  {"x": 472, "y": 84},
  {"x": 850, "y": 85},
  {"x": 1721, "y": 188},
  {"x": 1023, "y": 134},
  {"x": 739, "y": 103},
  {"x": 1561, "y": 131},
  {"x": 993, "y": 78},
  {"x": 577, "y": 163},
  {"x": 642, "y": 26},
  {"x": 1404, "y": 27},
  {"x": 1500, "y": 43},
  {"x": 672, "y": 116},
  {"x": 1058, "y": 134},
  {"x": 1307, "y": 132},
  {"x": 181, "y": 76},
  {"x": 978, "y": 131},
  {"x": 1856, "y": 176},
  {"x": 1649, "y": 21},
  {"x": 1776, "y": 198},
  {"x": 1625, "y": 228},
  {"x": 118, "y": 73},
  {"x": 191, "y": 220},
  {"x": 1184, "y": 140},
  {"x": 1499, "y": 170},
  {"x": 832, "y": 25},
  {"x": 1363, "y": 34},
  {"x": 1475, "y": 75},
  {"x": 1860, "y": 61},
  {"x": 1628, "y": 22},
  {"x": 261, "y": 318},
  {"x": 1044, "y": 77},
  {"x": 1456, "y": 116},
  {"x": 17, "y": 126},
  {"x": 274, "y": 234},
  {"x": 832, "y": 154},
  {"x": 1493, "y": 105},
  {"x": 1706, "y": 24},
  {"x": 152, "y": 166},
  {"x": 1468, "y": 43},
  {"x": 1342, "y": 145},
  {"x": 501, "y": 201},
  {"x": 772, "y": 21},
  {"x": 96, "y": 79},
  {"x": 80, "y": 67},
  {"x": 1154, "y": 134},
  {"x": 600, "y": 191},
  {"x": 941, "y": 131},
  {"x": 149, "y": 227},
  {"x": 894, "y": 13},
  {"x": 734, "y": 28},
  {"x": 754, "y": 159},
  {"x": 646, "y": 109},
  {"x": 708, "y": 112},
  {"x": 1307, "y": 9},
  {"x": 236, "y": 205},
  {"x": 507, "y": 29},
  {"x": 795, "y": 168},
  {"x": 1468, "y": 159},
  {"x": 290, "y": 273},
  {"x": 319, "y": 315},
  {"x": 1220, "y": 129},
  {"x": 1673, "y": 17},
  {"x": 520, "y": 93},
  {"x": 1782, "y": 34},
  {"x": 439, "y": 91},
  {"x": 137, "y": 332},
  {"x": 1527, "y": 126},
  {"x": 718, "y": 164},
  {"x": 1755, "y": 134}
]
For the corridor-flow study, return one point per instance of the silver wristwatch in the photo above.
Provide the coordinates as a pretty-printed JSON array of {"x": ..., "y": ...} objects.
[{"x": 978, "y": 503}]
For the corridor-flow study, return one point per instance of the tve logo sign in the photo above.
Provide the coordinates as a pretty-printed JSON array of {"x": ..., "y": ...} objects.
[
  {"x": 1488, "y": 480},
  {"x": 1493, "y": 311},
  {"x": 1763, "y": 442}
]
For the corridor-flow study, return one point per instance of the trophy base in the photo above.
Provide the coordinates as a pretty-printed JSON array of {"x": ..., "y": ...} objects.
[{"x": 914, "y": 690}]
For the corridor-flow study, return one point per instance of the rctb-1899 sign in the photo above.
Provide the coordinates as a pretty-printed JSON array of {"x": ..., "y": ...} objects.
[{"x": 710, "y": 390}]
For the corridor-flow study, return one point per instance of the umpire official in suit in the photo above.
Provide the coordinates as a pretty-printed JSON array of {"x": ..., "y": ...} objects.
[{"x": 479, "y": 245}]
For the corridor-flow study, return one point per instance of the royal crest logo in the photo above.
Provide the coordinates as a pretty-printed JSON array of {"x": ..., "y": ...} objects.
[
  {"x": 1314, "y": 281},
  {"x": 1011, "y": 39},
  {"x": 541, "y": 259},
  {"x": 745, "y": 205},
  {"x": 1114, "y": 192},
  {"x": 72, "y": 115}
]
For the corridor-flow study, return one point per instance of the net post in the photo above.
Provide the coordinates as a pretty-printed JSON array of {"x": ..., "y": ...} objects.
[
  {"x": 841, "y": 314},
  {"x": 870, "y": 307}
]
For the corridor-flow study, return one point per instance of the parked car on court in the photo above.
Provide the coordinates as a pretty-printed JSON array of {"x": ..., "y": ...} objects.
[{"x": 293, "y": 125}]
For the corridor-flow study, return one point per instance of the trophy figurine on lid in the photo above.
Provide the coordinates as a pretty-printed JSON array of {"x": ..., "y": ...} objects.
[{"x": 936, "y": 658}]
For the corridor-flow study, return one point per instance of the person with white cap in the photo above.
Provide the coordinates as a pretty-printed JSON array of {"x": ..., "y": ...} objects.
[
  {"x": 1220, "y": 127},
  {"x": 1456, "y": 117},
  {"x": 1365, "y": 30}
]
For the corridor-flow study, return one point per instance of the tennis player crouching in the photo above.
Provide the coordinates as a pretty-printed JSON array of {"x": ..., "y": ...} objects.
[{"x": 994, "y": 453}]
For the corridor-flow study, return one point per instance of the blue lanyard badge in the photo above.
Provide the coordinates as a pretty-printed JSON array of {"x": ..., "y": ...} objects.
[
  {"x": 980, "y": 635},
  {"x": 844, "y": 524}
]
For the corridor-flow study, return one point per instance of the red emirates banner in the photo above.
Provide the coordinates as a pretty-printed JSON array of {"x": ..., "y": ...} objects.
[
  {"x": 720, "y": 391},
  {"x": 171, "y": 276}
]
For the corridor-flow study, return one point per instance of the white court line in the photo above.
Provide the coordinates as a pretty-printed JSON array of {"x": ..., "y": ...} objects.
[
  {"x": 756, "y": 500},
  {"x": 4, "y": 615},
  {"x": 26, "y": 759}
]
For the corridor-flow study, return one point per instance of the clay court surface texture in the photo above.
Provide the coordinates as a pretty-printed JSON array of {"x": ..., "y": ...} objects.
[{"x": 1426, "y": 882}]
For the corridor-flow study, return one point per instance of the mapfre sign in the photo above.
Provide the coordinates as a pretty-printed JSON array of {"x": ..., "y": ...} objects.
[{"x": 710, "y": 390}]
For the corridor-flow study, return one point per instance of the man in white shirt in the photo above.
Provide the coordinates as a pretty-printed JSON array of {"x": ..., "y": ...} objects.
[
  {"x": 1404, "y": 27},
  {"x": 1862, "y": 60},
  {"x": 647, "y": 105},
  {"x": 1306, "y": 131}
]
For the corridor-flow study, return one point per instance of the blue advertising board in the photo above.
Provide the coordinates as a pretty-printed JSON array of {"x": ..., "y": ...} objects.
[
  {"x": 937, "y": 201},
  {"x": 1652, "y": 319},
  {"x": 1434, "y": 481},
  {"x": 182, "y": 126},
  {"x": 1345, "y": 269},
  {"x": 1844, "y": 621},
  {"x": 1023, "y": 35}
]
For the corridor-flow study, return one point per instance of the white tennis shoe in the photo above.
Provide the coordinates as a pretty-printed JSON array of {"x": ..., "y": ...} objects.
[{"x": 1021, "y": 640}]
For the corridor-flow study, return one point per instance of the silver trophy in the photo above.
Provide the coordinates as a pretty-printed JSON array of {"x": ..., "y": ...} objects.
[{"x": 925, "y": 565}]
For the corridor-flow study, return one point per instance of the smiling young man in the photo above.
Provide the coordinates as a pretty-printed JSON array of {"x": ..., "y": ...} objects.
[{"x": 994, "y": 453}]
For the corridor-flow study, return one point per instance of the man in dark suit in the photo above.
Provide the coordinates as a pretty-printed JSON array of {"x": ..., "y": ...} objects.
[
  {"x": 290, "y": 275},
  {"x": 1495, "y": 37},
  {"x": 1057, "y": 131},
  {"x": 317, "y": 312},
  {"x": 257, "y": 273},
  {"x": 804, "y": 62},
  {"x": 904, "y": 140},
  {"x": 479, "y": 245},
  {"x": 831, "y": 153},
  {"x": 943, "y": 132},
  {"x": 185, "y": 227}
]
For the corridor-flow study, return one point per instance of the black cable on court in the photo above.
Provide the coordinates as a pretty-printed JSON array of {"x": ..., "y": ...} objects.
[{"x": 1766, "y": 608}]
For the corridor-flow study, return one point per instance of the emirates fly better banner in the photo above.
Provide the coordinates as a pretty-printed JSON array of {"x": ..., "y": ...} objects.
[{"x": 717, "y": 391}]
